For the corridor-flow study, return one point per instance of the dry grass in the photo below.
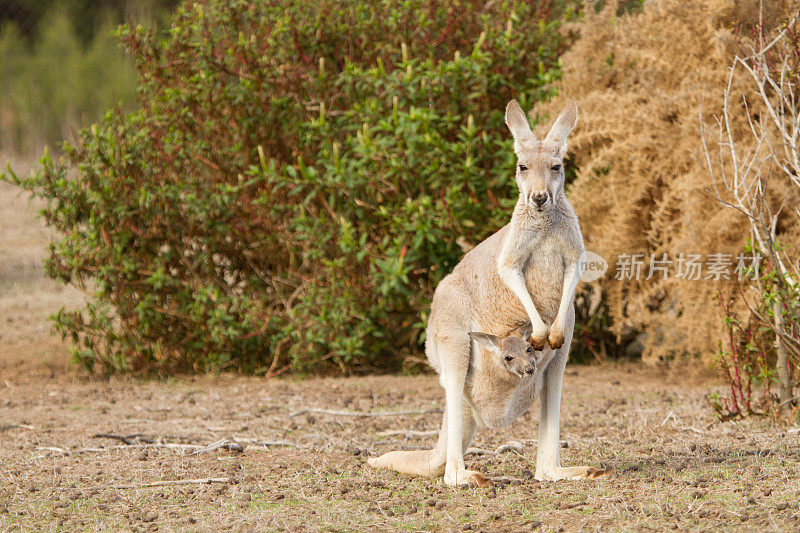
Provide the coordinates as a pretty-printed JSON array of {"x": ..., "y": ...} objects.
[
  {"x": 675, "y": 466},
  {"x": 641, "y": 81}
]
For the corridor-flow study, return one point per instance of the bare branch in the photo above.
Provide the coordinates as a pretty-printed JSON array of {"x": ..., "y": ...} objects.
[{"x": 334, "y": 412}]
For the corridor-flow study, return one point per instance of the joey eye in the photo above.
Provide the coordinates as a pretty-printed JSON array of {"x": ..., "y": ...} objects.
[
  {"x": 523, "y": 168},
  {"x": 555, "y": 168},
  {"x": 529, "y": 350},
  {"x": 509, "y": 358}
]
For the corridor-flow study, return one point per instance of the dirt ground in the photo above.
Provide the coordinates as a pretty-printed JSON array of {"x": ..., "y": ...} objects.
[
  {"x": 674, "y": 465},
  {"x": 125, "y": 454}
]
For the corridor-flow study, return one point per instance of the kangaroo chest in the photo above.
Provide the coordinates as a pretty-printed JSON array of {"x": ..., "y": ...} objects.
[{"x": 544, "y": 277}]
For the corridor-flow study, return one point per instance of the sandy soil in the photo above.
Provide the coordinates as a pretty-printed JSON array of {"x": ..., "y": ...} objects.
[{"x": 674, "y": 465}]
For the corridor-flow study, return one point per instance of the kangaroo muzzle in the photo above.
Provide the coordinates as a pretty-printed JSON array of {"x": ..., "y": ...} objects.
[{"x": 539, "y": 199}]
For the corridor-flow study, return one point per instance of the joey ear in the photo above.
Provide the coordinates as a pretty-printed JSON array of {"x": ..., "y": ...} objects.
[
  {"x": 517, "y": 123},
  {"x": 562, "y": 127},
  {"x": 524, "y": 331},
  {"x": 487, "y": 340},
  {"x": 527, "y": 331}
]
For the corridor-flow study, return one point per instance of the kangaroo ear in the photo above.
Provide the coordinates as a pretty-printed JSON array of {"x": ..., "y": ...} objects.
[
  {"x": 517, "y": 122},
  {"x": 563, "y": 125},
  {"x": 489, "y": 341}
]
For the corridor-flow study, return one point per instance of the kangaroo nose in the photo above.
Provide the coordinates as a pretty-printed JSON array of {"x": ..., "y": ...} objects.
[
  {"x": 539, "y": 199},
  {"x": 529, "y": 369}
]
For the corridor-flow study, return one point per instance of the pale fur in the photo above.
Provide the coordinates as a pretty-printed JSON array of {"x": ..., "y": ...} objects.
[
  {"x": 525, "y": 272},
  {"x": 492, "y": 380}
]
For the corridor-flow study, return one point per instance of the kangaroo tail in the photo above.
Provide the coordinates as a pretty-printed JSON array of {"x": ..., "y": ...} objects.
[
  {"x": 427, "y": 463},
  {"x": 415, "y": 462}
]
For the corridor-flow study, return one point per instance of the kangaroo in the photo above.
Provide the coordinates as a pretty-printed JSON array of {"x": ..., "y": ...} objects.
[
  {"x": 503, "y": 365},
  {"x": 525, "y": 272}
]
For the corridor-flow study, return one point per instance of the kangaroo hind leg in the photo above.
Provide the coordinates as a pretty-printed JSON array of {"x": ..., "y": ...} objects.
[{"x": 426, "y": 463}]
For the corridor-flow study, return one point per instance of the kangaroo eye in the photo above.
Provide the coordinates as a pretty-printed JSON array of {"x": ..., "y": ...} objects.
[
  {"x": 523, "y": 168},
  {"x": 529, "y": 350},
  {"x": 555, "y": 168},
  {"x": 509, "y": 358}
]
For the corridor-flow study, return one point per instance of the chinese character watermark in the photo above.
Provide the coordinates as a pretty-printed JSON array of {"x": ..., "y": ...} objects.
[{"x": 686, "y": 266}]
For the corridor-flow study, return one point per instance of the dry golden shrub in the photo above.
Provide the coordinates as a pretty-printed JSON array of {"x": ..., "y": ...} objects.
[{"x": 642, "y": 179}]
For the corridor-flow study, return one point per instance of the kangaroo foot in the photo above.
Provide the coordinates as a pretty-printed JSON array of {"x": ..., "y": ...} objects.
[
  {"x": 573, "y": 472},
  {"x": 462, "y": 477}
]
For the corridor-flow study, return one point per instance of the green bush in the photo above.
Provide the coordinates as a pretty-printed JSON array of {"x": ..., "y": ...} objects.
[{"x": 295, "y": 183}]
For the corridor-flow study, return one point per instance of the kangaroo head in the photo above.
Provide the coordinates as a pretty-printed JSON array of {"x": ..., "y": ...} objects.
[
  {"x": 540, "y": 166},
  {"x": 511, "y": 352}
]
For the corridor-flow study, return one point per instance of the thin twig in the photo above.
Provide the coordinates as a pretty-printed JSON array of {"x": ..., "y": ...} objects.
[
  {"x": 16, "y": 426},
  {"x": 200, "y": 481},
  {"x": 408, "y": 433},
  {"x": 125, "y": 439},
  {"x": 222, "y": 443},
  {"x": 505, "y": 479},
  {"x": 271, "y": 443},
  {"x": 479, "y": 451},
  {"x": 790, "y": 400},
  {"x": 512, "y": 446},
  {"x": 53, "y": 449},
  {"x": 167, "y": 445},
  {"x": 334, "y": 412},
  {"x": 257, "y": 442}
]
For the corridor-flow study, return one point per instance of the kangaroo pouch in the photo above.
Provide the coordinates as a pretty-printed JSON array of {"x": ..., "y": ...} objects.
[{"x": 495, "y": 404}]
